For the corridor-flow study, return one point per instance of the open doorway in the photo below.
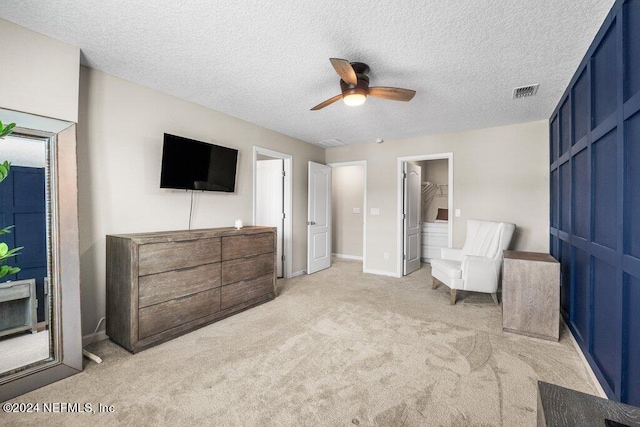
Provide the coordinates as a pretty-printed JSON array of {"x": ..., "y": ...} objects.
[
  {"x": 272, "y": 201},
  {"x": 434, "y": 197},
  {"x": 349, "y": 206},
  {"x": 431, "y": 200}
]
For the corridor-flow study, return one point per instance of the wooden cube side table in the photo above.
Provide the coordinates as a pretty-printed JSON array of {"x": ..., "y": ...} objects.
[{"x": 531, "y": 294}]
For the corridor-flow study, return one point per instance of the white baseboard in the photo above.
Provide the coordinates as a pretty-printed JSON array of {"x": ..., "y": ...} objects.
[
  {"x": 99, "y": 336},
  {"x": 353, "y": 257},
  {"x": 594, "y": 379},
  {"x": 298, "y": 273},
  {"x": 383, "y": 273}
]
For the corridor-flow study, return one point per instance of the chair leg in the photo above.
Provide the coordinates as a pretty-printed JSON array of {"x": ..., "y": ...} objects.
[
  {"x": 435, "y": 283},
  {"x": 452, "y": 298},
  {"x": 495, "y": 298}
]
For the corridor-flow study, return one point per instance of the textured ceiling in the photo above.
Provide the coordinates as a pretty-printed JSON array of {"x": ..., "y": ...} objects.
[{"x": 267, "y": 61}]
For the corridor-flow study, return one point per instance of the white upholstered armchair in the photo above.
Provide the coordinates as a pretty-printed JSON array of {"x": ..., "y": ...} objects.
[{"x": 475, "y": 267}]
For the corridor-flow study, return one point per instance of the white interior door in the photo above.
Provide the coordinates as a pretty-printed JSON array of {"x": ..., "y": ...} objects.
[
  {"x": 270, "y": 200},
  {"x": 319, "y": 222},
  {"x": 412, "y": 214}
]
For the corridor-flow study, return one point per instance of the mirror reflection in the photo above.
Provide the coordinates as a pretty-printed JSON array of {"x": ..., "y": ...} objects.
[{"x": 25, "y": 305}]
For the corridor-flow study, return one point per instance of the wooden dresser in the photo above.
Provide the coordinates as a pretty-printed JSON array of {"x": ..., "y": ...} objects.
[{"x": 162, "y": 285}]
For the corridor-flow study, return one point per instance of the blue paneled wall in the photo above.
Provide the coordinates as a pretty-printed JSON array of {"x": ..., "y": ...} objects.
[{"x": 595, "y": 202}]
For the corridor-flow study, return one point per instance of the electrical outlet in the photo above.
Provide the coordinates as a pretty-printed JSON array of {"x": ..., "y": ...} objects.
[
  {"x": 356, "y": 210},
  {"x": 386, "y": 255},
  {"x": 375, "y": 211},
  {"x": 458, "y": 213}
]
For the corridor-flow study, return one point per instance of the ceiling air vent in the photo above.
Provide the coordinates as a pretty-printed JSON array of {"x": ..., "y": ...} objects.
[
  {"x": 328, "y": 143},
  {"x": 525, "y": 91}
]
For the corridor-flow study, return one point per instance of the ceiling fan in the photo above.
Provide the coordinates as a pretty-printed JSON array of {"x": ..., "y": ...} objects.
[{"x": 354, "y": 83}]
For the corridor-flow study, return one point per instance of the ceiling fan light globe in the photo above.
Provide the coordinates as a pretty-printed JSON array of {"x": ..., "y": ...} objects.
[{"x": 354, "y": 99}]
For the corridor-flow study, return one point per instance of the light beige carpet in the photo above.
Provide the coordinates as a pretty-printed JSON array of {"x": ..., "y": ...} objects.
[
  {"x": 335, "y": 348},
  {"x": 23, "y": 349}
]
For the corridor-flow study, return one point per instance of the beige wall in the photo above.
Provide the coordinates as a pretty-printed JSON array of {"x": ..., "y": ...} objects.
[
  {"x": 39, "y": 75},
  {"x": 120, "y": 134},
  {"x": 500, "y": 173},
  {"x": 437, "y": 172},
  {"x": 347, "y": 193}
]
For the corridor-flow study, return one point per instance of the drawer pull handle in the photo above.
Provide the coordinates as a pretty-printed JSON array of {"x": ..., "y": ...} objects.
[
  {"x": 185, "y": 241},
  {"x": 183, "y": 297},
  {"x": 192, "y": 268}
]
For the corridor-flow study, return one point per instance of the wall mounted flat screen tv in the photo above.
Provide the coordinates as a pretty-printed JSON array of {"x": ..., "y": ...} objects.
[{"x": 194, "y": 165}]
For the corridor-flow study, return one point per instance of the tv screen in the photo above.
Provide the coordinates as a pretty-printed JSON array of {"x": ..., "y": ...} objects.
[{"x": 194, "y": 165}]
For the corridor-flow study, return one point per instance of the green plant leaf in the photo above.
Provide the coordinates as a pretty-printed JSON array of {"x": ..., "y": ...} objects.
[
  {"x": 6, "y": 130},
  {"x": 9, "y": 254},
  {"x": 6, "y": 270},
  {"x": 4, "y": 249},
  {"x": 13, "y": 252},
  {"x": 4, "y": 170},
  {"x": 6, "y": 230}
]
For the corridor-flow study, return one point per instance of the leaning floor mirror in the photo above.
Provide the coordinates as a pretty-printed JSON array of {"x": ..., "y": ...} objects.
[{"x": 40, "y": 336}]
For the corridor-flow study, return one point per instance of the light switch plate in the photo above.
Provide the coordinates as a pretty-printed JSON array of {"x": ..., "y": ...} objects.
[
  {"x": 375, "y": 211},
  {"x": 458, "y": 213},
  {"x": 356, "y": 210}
]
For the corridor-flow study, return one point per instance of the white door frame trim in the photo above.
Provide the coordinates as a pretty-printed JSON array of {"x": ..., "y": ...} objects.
[
  {"x": 401, "y": 160},
  {"x": 287, "y": 233},
  {"x": 362, "y": 163}
]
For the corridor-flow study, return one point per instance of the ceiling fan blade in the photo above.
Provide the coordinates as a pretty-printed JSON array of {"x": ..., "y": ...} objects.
[
  {"x": 393, "y": 93},
  {"x": 344, "y": 70},
  {"x": 327, "y": 102}
]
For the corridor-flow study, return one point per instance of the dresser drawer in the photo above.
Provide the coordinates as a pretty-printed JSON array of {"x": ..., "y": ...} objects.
[
  {"x": 161, "y": 287},
  {"x": 9, "y": 292},
  {"x": 440, "y": 240},
  {"x": 247, "y": 268},
  {"x": 435, "y": 227},
  {"x": 160, "y": 317},
  {"x": 247, "y": 245},
  {"x": 160, "y": 257},
  {"x": 246, "y": 290}
]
